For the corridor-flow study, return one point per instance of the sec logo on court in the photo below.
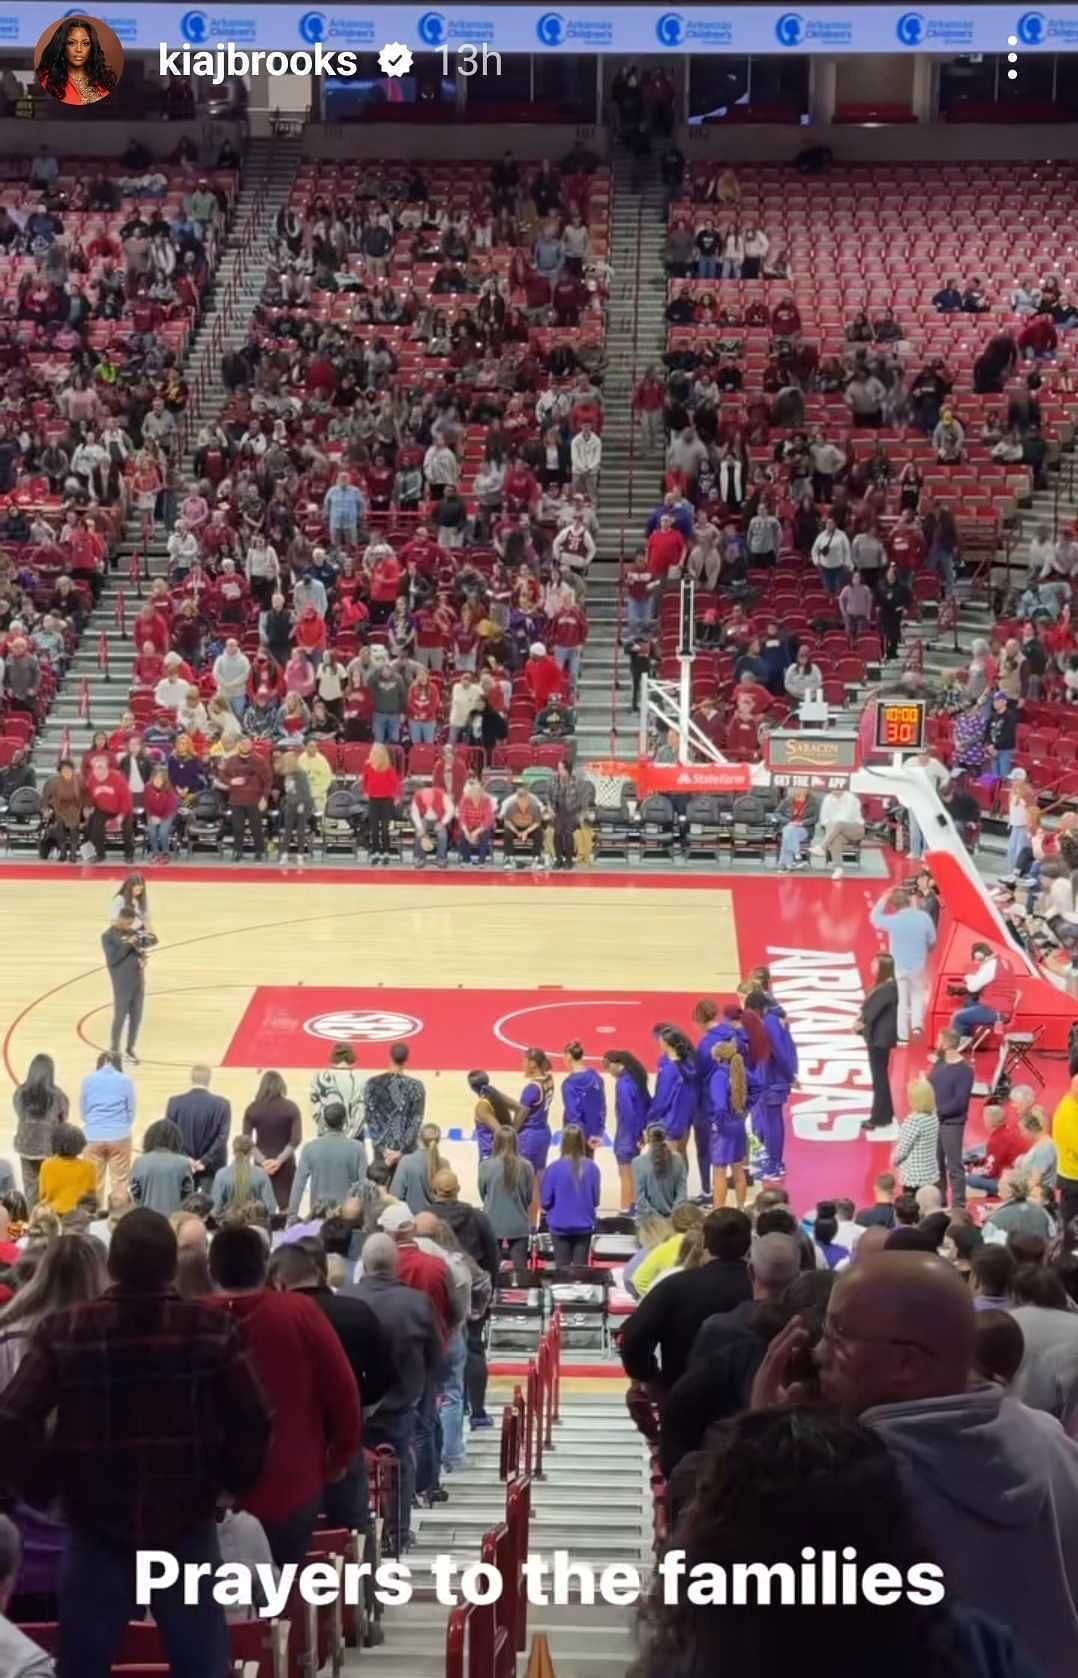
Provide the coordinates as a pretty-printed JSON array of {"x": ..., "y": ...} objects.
[{"x": 362, "y": 1025}]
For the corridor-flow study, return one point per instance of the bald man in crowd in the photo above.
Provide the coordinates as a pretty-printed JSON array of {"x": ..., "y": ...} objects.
[{"x": 993, "y": 1483}]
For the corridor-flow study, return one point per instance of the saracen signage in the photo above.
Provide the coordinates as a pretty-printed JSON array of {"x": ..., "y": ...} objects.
[{"x": 797, "y": 757}]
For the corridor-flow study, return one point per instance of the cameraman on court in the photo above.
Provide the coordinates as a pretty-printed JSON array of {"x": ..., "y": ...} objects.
[{"x": 125, "y": 947}]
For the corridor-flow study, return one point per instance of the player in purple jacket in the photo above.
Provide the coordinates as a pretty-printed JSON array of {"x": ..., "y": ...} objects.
[
  {"x": 632, "y": 1099},
  {"x": 533, "y": 1124},
  {"x": 779, "y": 1076},
  {"x": 728, "y": 1095},
  {"x": 583, "y": 1094},
  {"x": 673, "y": 1104},
  {"x": 715, "y": 1030},
  {"x": 570, "y": 1199}
]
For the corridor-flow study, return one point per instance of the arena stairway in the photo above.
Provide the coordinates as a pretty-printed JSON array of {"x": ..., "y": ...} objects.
[
  {"x": 634, "y": 338},
  {"x": 269, "y": 170},
  {"x": 593, "y": 1501}
]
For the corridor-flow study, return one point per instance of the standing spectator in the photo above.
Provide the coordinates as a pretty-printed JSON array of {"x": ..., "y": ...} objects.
[
  {"x": 893, "y": 602},
  {"x": 161, "y": 1177},
  {"x": 382, "y": 785},
  {"x": 915, "y": 1155},
  {"x": 39, "y": 1107},
  {"x": 586, "y": 453},
  {"x": 247, "y": 779},
  {"x": 340, "y": 1082},
  {"x": 345, "y": 511},
  {"x": 394, "y": 1104},
  {"x": 103, "y": 1409},
  {"x": 107, "y": 1111},
  {"x": 22, "y": 677},
  {"x": 331, "y": 1165},
  {"x": 952, "y": 1080},
  {"x": 407, "y": 1320},
  {"x": 389, "y": 691},
  {"x": 570, "y": 1198},
  {"x": 274, "y": 1122},
  {"x": 310, "y": 1385},
  {"x": 668, "y": 1318},
  {"x": 879, "y": 1025},
  {"x": 855, "y": 603},
  {"x": 911, "y": 937},
  {"x": 831, "y": 556},
  {"x": 1065, "y": 1137},
  {"x": 231, "y": 672},
  {"x": 66, "y": 1178},
  {"x": 571, "y": 797},
  {"x": 203, "y": 1121},
  {"x": 506, "y": 1187}
]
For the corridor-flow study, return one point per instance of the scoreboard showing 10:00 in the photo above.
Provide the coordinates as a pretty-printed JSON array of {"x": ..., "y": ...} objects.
[{"x": 900, "y": 725}]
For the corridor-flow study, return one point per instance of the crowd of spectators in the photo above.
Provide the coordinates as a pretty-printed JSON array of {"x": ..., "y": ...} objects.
[
  {"x": 102, "y": 274},
  {"x": 387, "y": 537}
]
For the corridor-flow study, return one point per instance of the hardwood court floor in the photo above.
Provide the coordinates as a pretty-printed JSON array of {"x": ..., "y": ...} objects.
[{"x": 258, "y": 969}]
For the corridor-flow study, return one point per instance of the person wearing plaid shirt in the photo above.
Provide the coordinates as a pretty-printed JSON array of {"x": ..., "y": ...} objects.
[
  {"x": 140, "y": 1411},
  {"x": 915, "y": 1154}
]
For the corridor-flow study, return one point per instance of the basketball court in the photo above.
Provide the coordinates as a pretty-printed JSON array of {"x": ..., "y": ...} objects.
[{"x": 257, "y": 968}]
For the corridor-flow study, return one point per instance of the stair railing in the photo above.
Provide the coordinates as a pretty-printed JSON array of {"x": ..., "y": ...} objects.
[{"x": 619, "y": 614}]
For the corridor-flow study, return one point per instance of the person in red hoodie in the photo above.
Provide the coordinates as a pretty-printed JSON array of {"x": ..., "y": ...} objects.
[
  {"x": 423, "y": 554},
  {"x": 312, "y": 1392},
  {"x": 906, "y": 547},
  {"x": 382, "y": 785},
  {"x": 310, "y": 635},
  {"x": 665, "y": 549},
  {"x": 386, "y": 575},
  {"x": 542, "y": 676},
  {"x": 568, "y": 634},
  {"x": 151, "y": 626},
  {"x": 108, "y": 795},
  {"x": 520, "y": 489},
  {"x": 149, "y": 666}
]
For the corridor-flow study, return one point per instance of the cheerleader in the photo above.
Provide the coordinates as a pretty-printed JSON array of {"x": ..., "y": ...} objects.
[
  {"x": 674, "y": 1103},
  {"x": 632, "y": 1099},
  {"x": 583, "y": 1096},
  {"x": 533, "y": 1121},
  {"x": 728, "y": 1099},
  {"x": 492, "y": 1111}
]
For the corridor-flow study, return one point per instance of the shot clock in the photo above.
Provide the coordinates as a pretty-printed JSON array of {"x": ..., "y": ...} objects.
[{"x": 900, "y": 725}]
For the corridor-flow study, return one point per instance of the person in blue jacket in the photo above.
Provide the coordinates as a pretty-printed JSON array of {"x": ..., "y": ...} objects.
[
  {"x": 674, "y": 1103},
  {"x": 533, "y": 1119},
  {"x": 778, "y": 1076},
  {"x": 583, "y": 1095},
  {"x": 632, "y": 1099},
  {"x": 715, "y": 1030},
  {"x": 728, "y": 1094},
  {"x": 570, "y": 1199}
]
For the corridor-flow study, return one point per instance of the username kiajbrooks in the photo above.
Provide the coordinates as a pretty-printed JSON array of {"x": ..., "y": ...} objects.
[{"x": 215, "y": 63}]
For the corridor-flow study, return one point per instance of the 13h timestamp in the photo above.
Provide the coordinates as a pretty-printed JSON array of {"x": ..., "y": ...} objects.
[{"x": 468, "y": 59}]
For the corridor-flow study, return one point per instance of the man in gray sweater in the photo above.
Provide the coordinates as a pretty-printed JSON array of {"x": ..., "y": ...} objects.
[
  {"x": 994, "y": 1484},
  {"x": 331, "y": 1165}
]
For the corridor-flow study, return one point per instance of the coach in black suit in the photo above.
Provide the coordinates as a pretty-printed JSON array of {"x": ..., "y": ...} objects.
[{"x": 204, "y": 1122}]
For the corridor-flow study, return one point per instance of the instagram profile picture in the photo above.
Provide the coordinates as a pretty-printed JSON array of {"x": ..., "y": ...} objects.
[{"x": 78, "y": 60}]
